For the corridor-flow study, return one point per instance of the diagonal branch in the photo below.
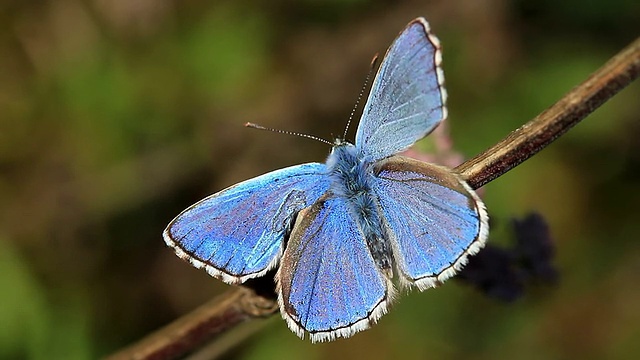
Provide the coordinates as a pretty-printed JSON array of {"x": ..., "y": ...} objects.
[
  {"x": 242, "y": 304},
  {"x": 192, "y": 330},
  {"x": 535, "y": 135}
]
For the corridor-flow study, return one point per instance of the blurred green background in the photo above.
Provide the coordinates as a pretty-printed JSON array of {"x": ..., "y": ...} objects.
[{"x": 116, "y": 114}]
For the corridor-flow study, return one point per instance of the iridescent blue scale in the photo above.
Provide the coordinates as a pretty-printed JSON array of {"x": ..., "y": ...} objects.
[{"x": 355, "y": 226}]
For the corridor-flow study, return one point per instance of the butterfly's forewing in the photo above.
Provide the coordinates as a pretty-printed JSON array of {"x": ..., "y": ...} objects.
[
  {"x": 407, "y": 99},
  {"x": 237, "y": 233},
  {"x": 328, "y": 283},
  {"x": 433, "y": 219}
]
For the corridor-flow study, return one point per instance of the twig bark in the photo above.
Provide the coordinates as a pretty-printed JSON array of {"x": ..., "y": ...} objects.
[
  {"x": 202, "y": 324},
  {"x": 243, "y": 304},
  {"x": 535, "y": 135}
]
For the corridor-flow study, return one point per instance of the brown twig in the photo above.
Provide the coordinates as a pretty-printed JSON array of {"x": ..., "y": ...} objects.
[
  {"x": 202, "y": 324},
  {"x": 242, "y": 304},
  {"x": 535, "y": 135}
]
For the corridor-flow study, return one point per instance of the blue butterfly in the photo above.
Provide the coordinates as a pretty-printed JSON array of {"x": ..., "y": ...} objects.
[{"x": 341, "y": 231}]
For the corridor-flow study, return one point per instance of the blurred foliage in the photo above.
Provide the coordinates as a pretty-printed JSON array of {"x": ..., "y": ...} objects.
[
  {"x": 32, "y": 327},
  {"x": 118, "y": 114}
]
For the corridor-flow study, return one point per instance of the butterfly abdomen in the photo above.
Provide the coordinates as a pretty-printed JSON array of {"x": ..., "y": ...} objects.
[{"x": 350, "y": 180}]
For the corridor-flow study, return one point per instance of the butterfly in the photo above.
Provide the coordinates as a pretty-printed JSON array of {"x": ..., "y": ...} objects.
[{"x": 342, "y": 234}]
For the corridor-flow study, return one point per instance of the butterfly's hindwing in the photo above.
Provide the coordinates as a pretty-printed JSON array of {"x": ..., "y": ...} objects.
[
  {"x": 328, "y": 282},
  {"x": 433, "y": 219}
]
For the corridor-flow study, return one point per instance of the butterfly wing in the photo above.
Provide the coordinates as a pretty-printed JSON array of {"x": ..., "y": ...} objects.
[
  {"x": 433, "y": 219},
  {"x": 407, "y": 98},
  {"x": 328, "y": 283},
  {"x": 237, "y": 233}
]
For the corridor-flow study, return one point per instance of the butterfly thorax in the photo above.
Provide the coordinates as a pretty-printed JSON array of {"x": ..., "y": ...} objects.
[{"x": 351, "y": 176}]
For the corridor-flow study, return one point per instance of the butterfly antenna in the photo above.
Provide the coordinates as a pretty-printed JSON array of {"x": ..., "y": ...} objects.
[
  {"x": 374, "y": 61},
  {"x": 260, "y": 127}
]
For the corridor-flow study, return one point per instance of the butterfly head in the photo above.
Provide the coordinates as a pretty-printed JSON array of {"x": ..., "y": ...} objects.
[
  {"x": 343, "y": 156},
  {"x": 342, "y": 148},
  {"x": 340, "y": 142}
]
